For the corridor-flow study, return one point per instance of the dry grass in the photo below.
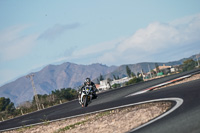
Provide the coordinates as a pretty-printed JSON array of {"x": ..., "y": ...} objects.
[{"x": 118, "y": 120}]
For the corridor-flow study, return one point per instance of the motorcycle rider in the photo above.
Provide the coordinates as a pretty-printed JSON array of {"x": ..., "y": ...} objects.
[{"x": 88, "y": 82}]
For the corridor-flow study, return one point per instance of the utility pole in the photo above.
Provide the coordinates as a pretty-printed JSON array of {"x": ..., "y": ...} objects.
[
  {"x": 197, "y": 56},
  {"x": 149, "y": 71},
  {"x": 142, "y": 74},
  {"x": 34, "y": 90}
]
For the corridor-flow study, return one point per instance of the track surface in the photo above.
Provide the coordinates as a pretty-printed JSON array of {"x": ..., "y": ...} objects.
[{"x": 183, "y": 120}]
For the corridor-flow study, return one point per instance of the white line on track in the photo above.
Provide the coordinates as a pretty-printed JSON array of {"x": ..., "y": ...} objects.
[
  {"x": 137, "y": 93},
  {"x": 159, "y": 85},
  {"x": 178, "y": 101}
]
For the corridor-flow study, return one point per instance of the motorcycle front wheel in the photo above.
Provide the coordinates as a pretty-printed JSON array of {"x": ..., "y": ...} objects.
[{"x": 85, "y": 101}]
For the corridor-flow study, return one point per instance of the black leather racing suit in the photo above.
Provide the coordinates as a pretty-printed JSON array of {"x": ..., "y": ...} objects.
[{"x": 94, "y": 89}]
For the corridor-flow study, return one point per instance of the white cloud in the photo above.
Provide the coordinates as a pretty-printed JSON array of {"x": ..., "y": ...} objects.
[
  {"x": 157, "y": 42},
  {"x": 98, "y": 48},
  {"x": 89, "y": 53},
  {"x": 15, "y": 45},
  {"x": 157, "y": 39},
  {"x": 57, "y": 30}
]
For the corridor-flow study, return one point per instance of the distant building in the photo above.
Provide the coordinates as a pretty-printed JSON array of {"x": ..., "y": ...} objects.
[
  {"x": 120, "y": 81},
  {"x": 175, "y": 69},
  {"x": 164, "y": 69},
  {"x": 104, "y": 85}
]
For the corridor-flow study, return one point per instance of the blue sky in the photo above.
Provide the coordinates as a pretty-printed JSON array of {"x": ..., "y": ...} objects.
[{"x": 36, "y": 33}]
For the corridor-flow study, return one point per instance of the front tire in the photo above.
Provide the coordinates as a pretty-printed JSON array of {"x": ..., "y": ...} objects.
[{"x": 85, "y": 101}]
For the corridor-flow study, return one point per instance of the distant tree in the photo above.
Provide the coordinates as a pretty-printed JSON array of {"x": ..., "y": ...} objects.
[
  {"x": 65, "y": 93},
  {"x": 128, "y": 71},
  {"x": 157, "y": 67},
  {"x": 108, "y": 81},
  {"x": 132, "y": 74},
  {"x": 114, "y": 77},
  {"x": 116, "y": 86},
  {"x": 153, "y": 73},
  {"x": 98, "y": 81},
  {"x": 3, "y": 103},
  {"x": 6, "y": 105},
  {"x": 101, "y": 77},
  {"x": 7, "y": 108},
  {"x": 188, "y": 65},
  {"x": 138, "y": 74},
  {"x": 133, "y": 81},
  {"x": 26, "y": 104},
  {"x": 10, "y": 108}
]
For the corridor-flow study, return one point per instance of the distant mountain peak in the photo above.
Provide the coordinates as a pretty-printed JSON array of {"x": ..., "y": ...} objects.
[
  {"x": 52, "y": 77},
  {"x": 69, "y": 74}
]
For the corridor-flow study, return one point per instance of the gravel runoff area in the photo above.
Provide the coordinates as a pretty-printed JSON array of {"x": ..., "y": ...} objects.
[{"x": 113, "y": 121}]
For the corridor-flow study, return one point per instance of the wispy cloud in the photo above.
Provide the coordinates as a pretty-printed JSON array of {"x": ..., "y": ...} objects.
[
  {"x": 57, "y": 30},
  {"x": 89, "y": 53},
  {"x": 15, "y": 45},
  {"x": 157, "y": 42},
  {"x": 98, "y": 48}
]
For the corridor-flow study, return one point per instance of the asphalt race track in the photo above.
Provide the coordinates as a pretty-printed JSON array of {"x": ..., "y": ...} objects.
[{"x": 184, "y": 119}]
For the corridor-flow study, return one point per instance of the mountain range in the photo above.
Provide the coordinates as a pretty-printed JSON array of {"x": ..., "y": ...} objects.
[
  {"x": 51, "y": 77},
  {"x": 69, "y": 75},
  {"x": 145, "y": 66}
]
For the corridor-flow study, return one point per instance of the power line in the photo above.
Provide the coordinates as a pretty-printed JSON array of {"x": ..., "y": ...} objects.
[{"x": 34, "y": 90}]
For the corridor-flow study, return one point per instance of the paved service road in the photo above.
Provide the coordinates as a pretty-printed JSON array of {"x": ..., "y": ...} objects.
[{"x": 184, "y": 119}]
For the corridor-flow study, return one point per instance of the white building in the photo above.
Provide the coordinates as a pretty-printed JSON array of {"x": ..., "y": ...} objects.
[
  {"x": 120, "y": 81},
  {"x": 104, "y": 85}
]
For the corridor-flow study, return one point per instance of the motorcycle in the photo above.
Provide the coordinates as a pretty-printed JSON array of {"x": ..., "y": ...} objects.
[{"x": 86, "y": 96}]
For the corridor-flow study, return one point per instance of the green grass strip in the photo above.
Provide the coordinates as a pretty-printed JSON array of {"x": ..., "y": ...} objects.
[
  {"x": 82, "y": 122},
  {"x": 71, "y": 126}
]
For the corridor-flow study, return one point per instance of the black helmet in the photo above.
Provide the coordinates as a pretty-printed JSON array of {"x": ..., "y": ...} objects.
[{"x": 87, "y": 81}]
